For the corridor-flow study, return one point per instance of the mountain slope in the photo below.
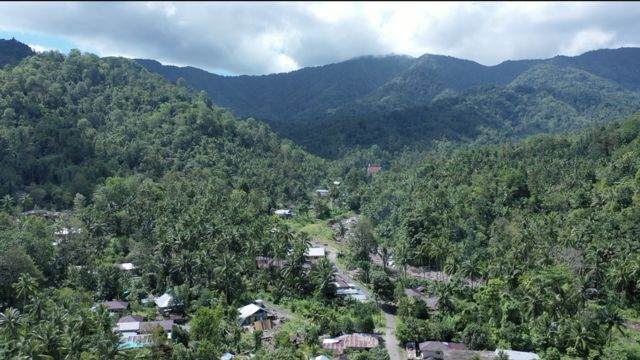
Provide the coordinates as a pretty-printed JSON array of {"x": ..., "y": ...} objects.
[
  {"x": 305, "y": 93},
  {"x": 430, "y": 97},
  {"x": 13, "y": 51},
  {"x": 69, "y": 122}
]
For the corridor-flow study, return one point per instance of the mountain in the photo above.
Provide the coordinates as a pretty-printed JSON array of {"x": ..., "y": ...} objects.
[
  {"x": 85, "y": 119},
  {"x": 418, "y": 100},
  {"x": 286, "y": 97},
  {"x": 12, "y": 52}
]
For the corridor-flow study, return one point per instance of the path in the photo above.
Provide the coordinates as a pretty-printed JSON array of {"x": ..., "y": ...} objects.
[{"x": 390, "y": 340}]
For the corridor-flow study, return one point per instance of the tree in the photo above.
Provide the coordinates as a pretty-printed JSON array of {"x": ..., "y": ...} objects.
[
  {"x": 612, "y": 318},
  {"x": 26, "y": 288},
  {"x": 382, "y": 286},
  {"x": 208, "y": 325},
  {"x": 13, "y": 263},
  {"x": 323, "y": 277},
  {"x": 362, "y": 242}
]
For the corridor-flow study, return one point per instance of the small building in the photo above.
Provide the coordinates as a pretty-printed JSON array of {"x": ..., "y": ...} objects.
[
  {"x": 322, "y": 192},
  {"x": 314, "y": 254},
  {"x": 114, "y": 306},
  {"x": 147, "y": 327},
  {"x": 227, "y": 356},
  {"x": 351, "y": 341},
  {"x": 164, "y": 302},
  {"x": 285, "y": 213},
  {"x": 126, "y": 267},
  {"x": 410, "y": 350},
  {"x": 372, "y": 169},
  {"x": 252, "y": 313},
  {"x": 131, "y": 318},
  {"x": 336, "y": 183},
  {"x": 267, "y": 262},
  {"x": 518, "y": 355},
  {"x": 435, "y": 350}
]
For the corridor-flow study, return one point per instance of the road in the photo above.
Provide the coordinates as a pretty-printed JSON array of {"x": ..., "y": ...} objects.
[{"x": 390, "y": 340}]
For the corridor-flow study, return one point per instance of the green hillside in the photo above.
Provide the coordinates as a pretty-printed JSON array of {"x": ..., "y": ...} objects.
[{"x": 69, "y": 122}]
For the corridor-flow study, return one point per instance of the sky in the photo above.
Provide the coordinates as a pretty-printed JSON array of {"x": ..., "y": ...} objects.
[{"x": 261, "y": 38}]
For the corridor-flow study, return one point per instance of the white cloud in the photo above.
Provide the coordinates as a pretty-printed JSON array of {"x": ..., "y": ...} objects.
[{"x": 258, "y": 38}]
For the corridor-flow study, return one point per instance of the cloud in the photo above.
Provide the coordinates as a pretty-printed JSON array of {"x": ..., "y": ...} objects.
[{"x": 260, "y": 38}]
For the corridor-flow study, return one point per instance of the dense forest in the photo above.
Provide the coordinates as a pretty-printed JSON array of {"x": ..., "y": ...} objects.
[
  {"x": 397, "y": 102},
  {"x": 117, "y": 185},
  {"x": 549, "y": 225}
]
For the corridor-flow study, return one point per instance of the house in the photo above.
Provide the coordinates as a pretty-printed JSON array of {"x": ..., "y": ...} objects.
[
  {"x": 252, "y": 313},
  {"x": 147, "y": 327},
  {"x": 346, "y": 290},
  {"x": 336, "y": 183},
  {"x": 322, "y": 192},
  {"x": 227, "y": 356},
  {"x": 266, "y": 262},
  {"x": 164, "y": 302},
  {"x": 321, "y": 357},
  {"x": 373, "y": 169},
  {"x": 285, "y": 213},
  {"x": 114, "y": 306},
  {"x": 435, "y": 350},
  {"x": 351, "y": 341},
  {"x": 314, "y": 254},
  {"x": 131, "y": 318},
  {"x": 410, "y": 350},
  {"x": 126, "y": 266},
  {"x": 518, "y": 355},
  {"x": 419, "y": 295}
]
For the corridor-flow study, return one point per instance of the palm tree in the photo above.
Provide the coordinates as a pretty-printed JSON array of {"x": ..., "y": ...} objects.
[
  {"x": 612, "y": 318},
  {"x": 11, "y": 322},
  {"x": 26, "y": 287},
  {"x": 323, "y": 275}
]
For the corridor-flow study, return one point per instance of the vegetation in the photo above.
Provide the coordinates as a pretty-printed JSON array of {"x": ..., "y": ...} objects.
[{"x": 528, "y": 245}]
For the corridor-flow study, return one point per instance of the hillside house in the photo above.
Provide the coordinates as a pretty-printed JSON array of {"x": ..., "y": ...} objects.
[
  {"x": 373, "y": 169},
  {"x": 434, "y": 350},
  {"x": 314, "y": 254},
  {"x": 351, "y": 341},
  {"x": 126, "y": 267},
  {"x": 285, "y": 213},
  {"x": 518, "y": 355},
  {"x": 253, "y": 314},
  {"x": 322, "y": 192},
  {"x": 165, "y": 302},
  {"x": 114, "y": 306}
]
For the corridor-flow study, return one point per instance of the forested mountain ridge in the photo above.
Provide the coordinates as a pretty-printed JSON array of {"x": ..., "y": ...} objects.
[
  {"x": 411, "y": 105},
  {"x": 12, "y": 51},
  {"x": 69, "y": 122},
  {"x": 283, "y": 98},
  {"x": 549, "y": 224}
]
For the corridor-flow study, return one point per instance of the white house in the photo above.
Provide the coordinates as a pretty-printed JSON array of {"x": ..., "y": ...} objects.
[
  {"x": 314, "y": 254},
  {"x": 518, "y": 355},
  {"x": 252, "y": 313},
  {"x": 164, "y": 302},
  {"x": 284, "y": 213},
  {"x": 322, "y": 192}
]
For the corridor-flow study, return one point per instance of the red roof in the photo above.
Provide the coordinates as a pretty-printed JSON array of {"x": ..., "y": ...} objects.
[
  {"x": 373, "y": 169},
  {"x": 350, "y": 341}
]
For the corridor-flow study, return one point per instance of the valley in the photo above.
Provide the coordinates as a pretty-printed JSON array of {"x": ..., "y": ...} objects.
[{"x": 373, "y": 209}]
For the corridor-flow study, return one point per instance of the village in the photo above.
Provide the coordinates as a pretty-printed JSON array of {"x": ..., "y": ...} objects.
[{"x": 138, "y": 325}]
